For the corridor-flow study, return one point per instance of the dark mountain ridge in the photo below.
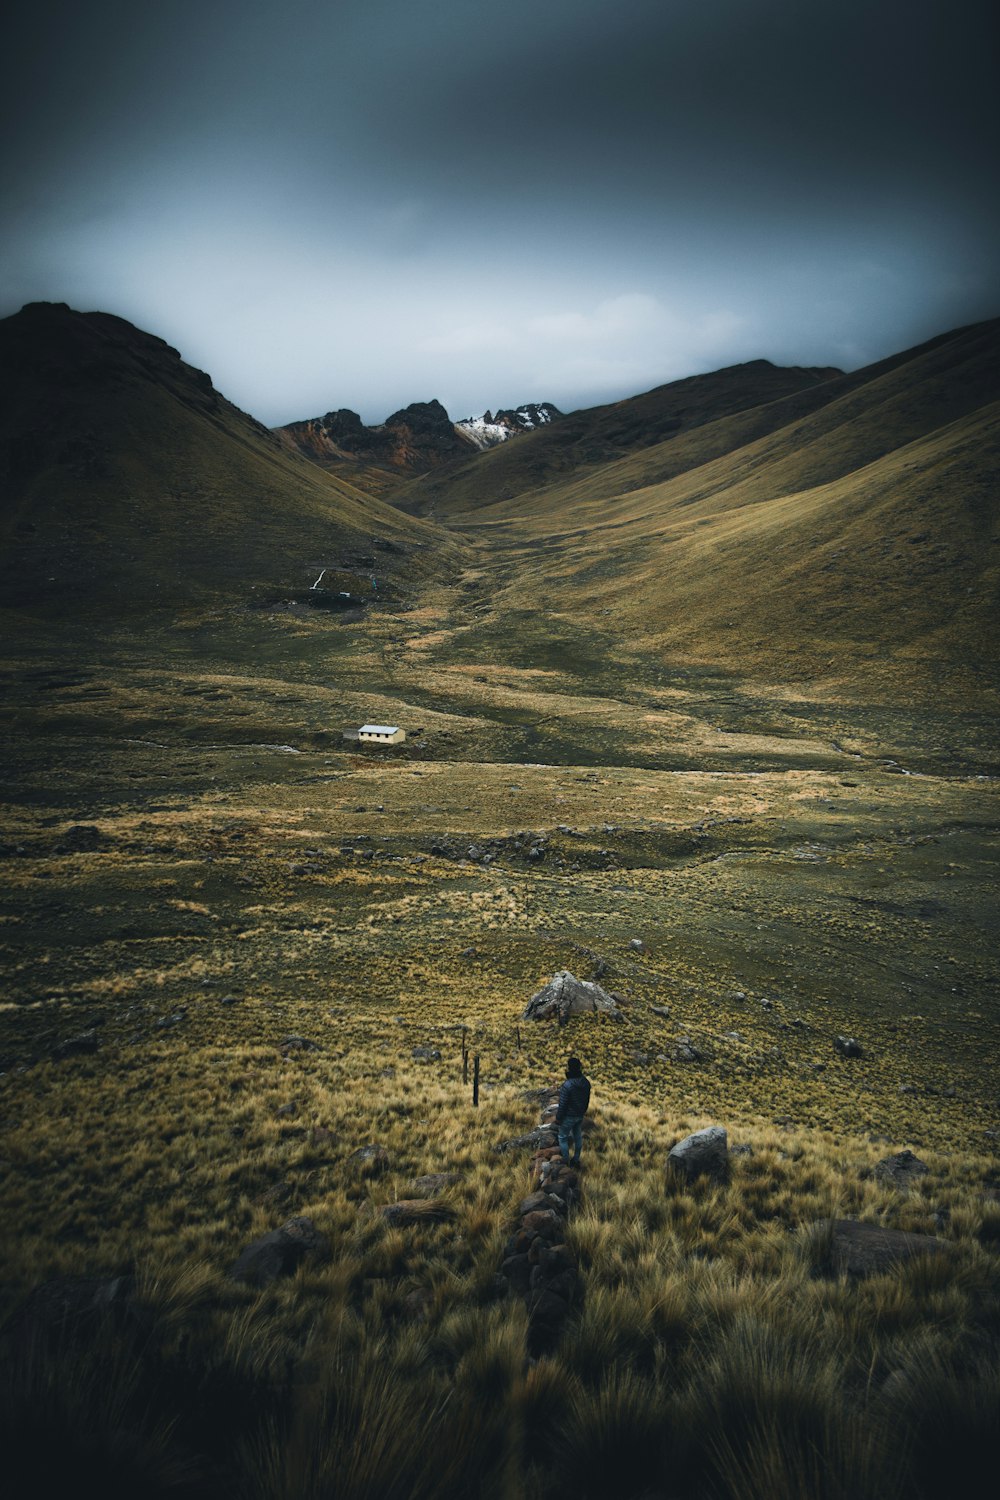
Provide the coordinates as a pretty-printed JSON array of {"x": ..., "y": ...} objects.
[{"x": 127, "y": 478}]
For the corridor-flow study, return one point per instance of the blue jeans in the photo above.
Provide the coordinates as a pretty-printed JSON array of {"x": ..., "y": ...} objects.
[{"x": 571, "y": 1129}]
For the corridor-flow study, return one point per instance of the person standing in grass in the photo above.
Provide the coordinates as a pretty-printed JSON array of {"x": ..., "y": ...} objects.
[{"x": 574, "y": 1097}]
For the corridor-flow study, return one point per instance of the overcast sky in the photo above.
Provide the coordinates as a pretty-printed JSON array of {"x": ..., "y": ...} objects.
[{"x": 369, "y": 202}]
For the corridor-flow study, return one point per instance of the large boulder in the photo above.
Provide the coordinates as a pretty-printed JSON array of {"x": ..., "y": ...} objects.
[
  {"x": 703, "y": 1154},
  {"x": 860, "y": 1249},
  {"x": 280, "y": 1253},
  {"x": 565, "y": 995}
]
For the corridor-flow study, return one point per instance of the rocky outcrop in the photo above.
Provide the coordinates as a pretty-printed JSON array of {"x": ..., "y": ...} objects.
[
  {"x": 414, "y": 439},
  {"x": 566, "y": 996},
  {"x": 902, "y": 1171}
]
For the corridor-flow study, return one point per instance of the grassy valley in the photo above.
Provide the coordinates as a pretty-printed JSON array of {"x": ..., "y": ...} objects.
[{"x": 710, "y": 719}]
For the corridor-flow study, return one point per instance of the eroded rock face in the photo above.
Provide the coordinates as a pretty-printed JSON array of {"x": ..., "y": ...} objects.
[
  {"x": 703, "y": 1154},
  {"x": 280, "y": 1253},
  {"x": 565, "y": 996}
]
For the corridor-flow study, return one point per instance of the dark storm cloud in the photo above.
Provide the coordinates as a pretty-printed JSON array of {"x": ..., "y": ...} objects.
[{"x": 368, "y": 203}]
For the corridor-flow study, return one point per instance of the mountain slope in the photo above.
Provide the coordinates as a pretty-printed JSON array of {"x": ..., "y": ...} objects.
[
  {"x": 127, "y": 479},
  {"x": 856, "y": 540},
  {"x": 591, "y": 438}
]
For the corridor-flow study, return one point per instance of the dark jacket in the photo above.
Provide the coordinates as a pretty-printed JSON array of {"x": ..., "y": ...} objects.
[{"x": 574, "y": 1096}]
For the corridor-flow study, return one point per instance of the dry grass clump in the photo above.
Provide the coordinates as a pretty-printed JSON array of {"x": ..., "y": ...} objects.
[{"x": 708, "y": 1358}]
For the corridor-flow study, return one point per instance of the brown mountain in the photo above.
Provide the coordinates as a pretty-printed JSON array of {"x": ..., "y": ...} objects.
[
  {"x": 411, "y": 441},
  {"x": 128, "y": 479}
]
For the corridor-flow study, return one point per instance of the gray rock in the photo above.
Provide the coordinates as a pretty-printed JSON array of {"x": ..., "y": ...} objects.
[
  {"x": 298, "y": 1044},
  {"x": 426, "y": 1054},
  {"x": 565, "y": 995},
  {"x": 368, "y": 1161},
  {"x": 901, "y": 1171},
  {"x": 685, "y": 1051},
  {"x": 661, "y": 1010},
  {"x": 637, "y": 945},
  {"x": 280, "y": 1253},
  {"x": 850, "y": 1247},
  {"x": 848, "y": 1046},
  {"x": 703, "y": 1154},
  {"x": 744, "y": 1149}
]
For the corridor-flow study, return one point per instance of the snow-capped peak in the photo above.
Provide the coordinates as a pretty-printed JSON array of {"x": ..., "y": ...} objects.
[{"x": 490, "y": 429}]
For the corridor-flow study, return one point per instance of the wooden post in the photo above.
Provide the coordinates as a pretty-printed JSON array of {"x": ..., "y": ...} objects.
[
  {"x": 475, "y": 1081},
  {"x": 517, "y": 1033},
  {"x": 465, "y": 1058}
]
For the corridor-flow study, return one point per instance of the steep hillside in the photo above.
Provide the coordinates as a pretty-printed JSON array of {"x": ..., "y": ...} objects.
[
  {"x": 589, "y": 439},
  {"x": 855, "y": 537},
  {"x": 128, "y": 480}
]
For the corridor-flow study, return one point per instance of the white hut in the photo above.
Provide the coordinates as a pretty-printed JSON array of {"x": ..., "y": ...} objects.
[{"x": 381, "y": 734}]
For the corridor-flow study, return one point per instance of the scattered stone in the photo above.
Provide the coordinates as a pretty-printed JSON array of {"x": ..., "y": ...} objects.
[
  {"x": 661, "y": 1010},
  {"x": 297, "y": 1044},
  {"x": 858, "y": 1249},
  {"x": 433, "y": 1183},
  {"x": 166, "y": 1022},
  {"x": 703, "y": 1154},
  {"x": 409, "y": 1211},
  {"x": 426, "y": 1054},
  {"x": 901, "y": 1171},
  {"x": 744, "y": 1149},
  {"x": 565, "y": 996},
  {"x": 685, "y": 1051},
  {"x": 637, "y": 945},
  {"x": 77, "y": 1046},
  {"x": 229, "y": 1000},
  {"x": 368, "y": 1161},
  {"x": 848, "y": 1046},
  {"x": 280, "y": 1253},
  {"x": 306, "y": 867}
]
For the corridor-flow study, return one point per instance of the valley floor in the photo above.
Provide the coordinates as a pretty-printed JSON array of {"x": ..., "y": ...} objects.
[{"x": 197, "y": 867}]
